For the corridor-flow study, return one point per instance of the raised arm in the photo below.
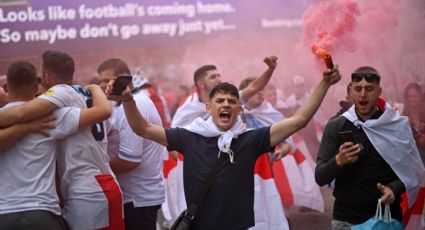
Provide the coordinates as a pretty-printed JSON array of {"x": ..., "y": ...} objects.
[
  {"x": 28, "y": 111},
  {"x": 138, "y": 123},
  {"x": 262, "y": 80},
  {"x": 100, "y": 110},
  {"x": 285, "y": 128}
]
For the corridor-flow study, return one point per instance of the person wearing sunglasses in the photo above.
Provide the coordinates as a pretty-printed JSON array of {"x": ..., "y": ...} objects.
[{"x": 372, "y": 163}]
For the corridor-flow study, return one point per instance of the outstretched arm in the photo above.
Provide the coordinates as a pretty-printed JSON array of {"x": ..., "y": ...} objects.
[
  {"x": 137, "y": 122},
  {"x": 262, "y": 80},
  {"x": 100, "y": 110},
  {"x": 26, "y": 112},
  {"x": 285, "y": 128}
]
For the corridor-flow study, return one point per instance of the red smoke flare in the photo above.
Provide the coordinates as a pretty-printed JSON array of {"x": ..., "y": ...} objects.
[{"x": 320, "y": 52}]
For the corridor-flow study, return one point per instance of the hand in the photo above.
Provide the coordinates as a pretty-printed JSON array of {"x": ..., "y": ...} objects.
[
  {"x": 332, "y": 76},
  {"x": 271, "y": 61},
  {"x": 387, "y": 196},
  {"x": 348, "y": 153},
  {"x": 41, "y": 125},
  {"x": 279, "y": 154},
  {"x": 174, "y": 155},
  {"x": 124, "y": 97},
  {"x": 281, "y": 151}
]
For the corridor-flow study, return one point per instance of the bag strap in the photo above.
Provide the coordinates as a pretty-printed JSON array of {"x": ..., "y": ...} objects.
[
  {"x": 218, "y": 165},
  {"x": 378, "y": 214},
  {"x": 387, "y": 213}
]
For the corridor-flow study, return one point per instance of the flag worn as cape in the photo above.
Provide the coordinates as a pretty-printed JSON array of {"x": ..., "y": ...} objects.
[{"x": 392, "y": 138}]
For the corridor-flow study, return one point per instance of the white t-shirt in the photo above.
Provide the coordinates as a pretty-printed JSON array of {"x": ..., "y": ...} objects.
[
  {"x": 80, "y": 156},
  {"x": 144, "y": 185},
  {"x": 27, "y": 168}
]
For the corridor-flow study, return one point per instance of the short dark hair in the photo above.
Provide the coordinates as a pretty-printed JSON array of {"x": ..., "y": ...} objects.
[
  {"x": 116, "y": 64},
  {"x": 245, "y": 82},
  {"x": 225, "y": 88},
  {"x": 201, "y": 72},
  {"x": 59, "y": 65},
  {"x": 21, "y": 74}
]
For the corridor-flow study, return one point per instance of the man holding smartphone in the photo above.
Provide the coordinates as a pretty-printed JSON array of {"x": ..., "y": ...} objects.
[
  {"x": 367, "y": 151},
  {"x": 136, "y": 161}
]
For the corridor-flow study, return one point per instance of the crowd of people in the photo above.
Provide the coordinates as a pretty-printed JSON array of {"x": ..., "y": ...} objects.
[{"x": 74, "y": 157}]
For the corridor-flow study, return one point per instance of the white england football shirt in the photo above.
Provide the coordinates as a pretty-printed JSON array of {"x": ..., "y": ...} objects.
[
  {"x": 80, "y": 154},
  {"x": 27, "y": 168},
  {"x": 144, "y": 185},
  {"x": 80, "y": 159}
]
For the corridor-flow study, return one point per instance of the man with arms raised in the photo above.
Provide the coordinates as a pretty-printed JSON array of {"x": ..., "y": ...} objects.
[
  {"x": 229, "y": 202},
  {"x": 205, "y": 79}
]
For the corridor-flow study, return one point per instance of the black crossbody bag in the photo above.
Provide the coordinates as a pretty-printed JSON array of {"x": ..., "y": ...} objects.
[{"x": 186, "y": 217}]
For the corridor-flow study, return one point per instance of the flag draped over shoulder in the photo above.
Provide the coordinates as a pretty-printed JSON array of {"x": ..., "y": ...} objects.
[
  {"x": 160, "y": 105},
  {"x": 268, "y": 208},
  {"x": 293, "y": 174},
  {"x": 191, "y": 109},
  {"x": 392, "y": 137},
  {"x": 412, "y": 217},
  {"x": 175, "y": 201},
  {"x": 265, "y": 114}
]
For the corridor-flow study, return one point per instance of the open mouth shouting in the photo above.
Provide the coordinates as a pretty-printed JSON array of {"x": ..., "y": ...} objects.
[
  {"x": 224, "y": 109},
  {"x": 225, "y": 116},
  {"x": 363, "y": 104}
]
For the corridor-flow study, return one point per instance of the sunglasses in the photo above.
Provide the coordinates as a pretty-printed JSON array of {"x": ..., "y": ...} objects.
[{"x": 369, "y": 77}]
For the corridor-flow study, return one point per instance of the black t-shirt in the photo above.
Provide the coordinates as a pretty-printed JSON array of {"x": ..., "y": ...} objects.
[{"x": 229, "y": 203}]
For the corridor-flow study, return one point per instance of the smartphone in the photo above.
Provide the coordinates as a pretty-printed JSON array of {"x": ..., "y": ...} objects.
[
  {"x": 346, "y": 136},
  {"x": 120, "y": 84}
]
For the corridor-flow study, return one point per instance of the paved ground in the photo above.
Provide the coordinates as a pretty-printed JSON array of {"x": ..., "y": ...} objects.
[{"x": 302, "y": 219}]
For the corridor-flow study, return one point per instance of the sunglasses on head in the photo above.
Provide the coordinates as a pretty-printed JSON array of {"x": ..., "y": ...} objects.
[{"x": 369, "y": 77}]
